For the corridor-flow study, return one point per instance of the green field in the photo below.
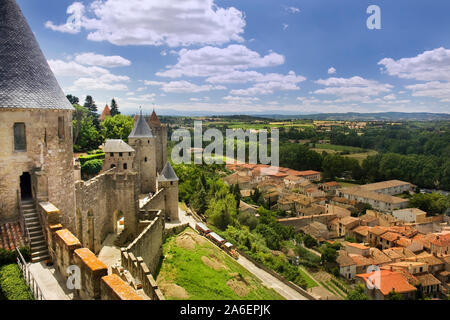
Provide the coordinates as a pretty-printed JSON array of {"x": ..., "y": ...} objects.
[
  {"x": 334, "y": 147},
  {"x": 195, "y": 269},
  {"x": 354, "y": 152},
  {"x": 309, "y": 281}
]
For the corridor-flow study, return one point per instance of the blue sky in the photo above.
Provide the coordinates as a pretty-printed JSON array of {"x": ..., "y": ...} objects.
[{"x": 293, "y": 56}]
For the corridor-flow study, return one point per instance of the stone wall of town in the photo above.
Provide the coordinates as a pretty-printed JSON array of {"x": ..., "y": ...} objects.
[
  {"x": 300, "y": 222},
  {"x": 67, "y": 252},
  {"x": 48, "y": 159},
  {"x": 100, "y": 203}
]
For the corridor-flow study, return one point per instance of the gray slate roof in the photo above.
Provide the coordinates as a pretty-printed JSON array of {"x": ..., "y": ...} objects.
[
  {"x": 167, "y": 174},
  {"x": 26, "y": 80},
  {"x": 116, "y": 145},
  {"x": 141, "y": 129}
]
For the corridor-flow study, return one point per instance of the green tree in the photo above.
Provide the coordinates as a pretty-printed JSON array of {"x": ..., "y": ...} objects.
[
  {"x": 114, "y": 108},
  {"x": 89, "y": 104},
  {"x": 73, "y": 99},
  {"x": 394, "y": 296},
  {"x": 358, "y": 293},
  {"x": 117, "y": 127},
  {"x": 222, "y": 212},
  {"x": 309, "y": 241},
  {"x": 88, "y": 137},
  {"x": 77, "y": 116}
]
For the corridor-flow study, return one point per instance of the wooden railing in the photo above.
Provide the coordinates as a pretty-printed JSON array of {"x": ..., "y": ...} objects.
[{"x": 28, "y": 276}]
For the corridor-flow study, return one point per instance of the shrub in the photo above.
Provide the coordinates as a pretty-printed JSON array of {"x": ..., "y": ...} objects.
[
  {"x": 10, "y": 256},
  {"x": 84, "y": 159},
  {"x": 92, "y": 167},
  {"x": 12, "y": 284},
  {"x": 309, "y": 241}
]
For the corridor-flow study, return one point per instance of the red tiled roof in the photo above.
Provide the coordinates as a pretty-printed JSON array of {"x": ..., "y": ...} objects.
[
  {"x": 11, "y": 236},
  {"x": 389, "y": 281},
  {"x": 442, "y": 240},
  {"x": 106, "y": 112}
]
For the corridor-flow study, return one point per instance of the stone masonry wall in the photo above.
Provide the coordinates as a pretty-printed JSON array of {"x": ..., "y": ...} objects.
[{"x": 45, "y": 153}]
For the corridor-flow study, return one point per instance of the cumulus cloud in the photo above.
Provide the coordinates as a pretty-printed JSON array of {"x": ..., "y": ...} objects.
[
  {"x": 331, "y": 70},
  {"x": 93, "y": 59},
  {"x": 269, "y": 83},
  {"x": 88, "y": 77},
  {"x": 154, "y": 22},
  {"x": 352, "y": 89},
  {"x": 210, "y": 61},
  {"x": 431, "y": 65},
  {"x": 74, "y": 22},
  {"x": 183, "y": 86},
  {"x": 144, "y": 97}
]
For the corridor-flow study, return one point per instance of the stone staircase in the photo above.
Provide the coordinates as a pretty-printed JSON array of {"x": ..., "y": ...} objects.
[{"x": 39, "y": 249}]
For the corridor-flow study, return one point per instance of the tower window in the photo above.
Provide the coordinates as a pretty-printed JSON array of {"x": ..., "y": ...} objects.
[
  {"x": 129, "y": 153},
  {"x": 20, "y": 141},
  {"x": 120, "y": 154},
  {"x": 61, "y": 127},
  {"x": 125, "y": 166},
  {"x": 111, "y": 154},
  {"x": 145, "y": 159}
]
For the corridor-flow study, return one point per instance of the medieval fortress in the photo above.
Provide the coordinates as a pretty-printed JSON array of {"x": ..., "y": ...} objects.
[{"x": 65, "y": 219}]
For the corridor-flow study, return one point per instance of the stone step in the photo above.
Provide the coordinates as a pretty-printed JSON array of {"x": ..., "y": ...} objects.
[
  {"x": 39, "y": 253},
  {"x": 29, "y": 219},
  {"x": 33, "y": 223},
  {"x": 34, "y": 227},
  {"x": 40, "y": 258},
  {"x": 36, "y": 233},
  {"x": 37, "y": 238},
  {"x": 40, "y": 248},
  {"x": 37, "y": 244}
]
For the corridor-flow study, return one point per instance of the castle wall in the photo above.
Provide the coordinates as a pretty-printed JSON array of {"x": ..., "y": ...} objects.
[
  {"x": 148, "y": 244},
  {"x": 46, "y": 152},
  {"x": 99, "y": 201}
]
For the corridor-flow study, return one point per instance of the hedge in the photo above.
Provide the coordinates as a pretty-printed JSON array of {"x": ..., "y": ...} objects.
[
  {"x": 12, "y": 283},
  {"x": 84, "y": 159},
  {"x": 92, "y": 167},
  {"x": 8, "y": 257}
]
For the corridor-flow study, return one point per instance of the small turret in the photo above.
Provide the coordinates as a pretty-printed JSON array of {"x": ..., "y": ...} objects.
[
  {"x": 143, "y": 141},
  {"x": 168, "y": 181}
]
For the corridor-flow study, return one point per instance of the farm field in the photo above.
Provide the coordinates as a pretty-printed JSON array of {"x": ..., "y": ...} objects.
[
  {"x": 354, "y": 152},
  {"x": 195, "y": 269}
]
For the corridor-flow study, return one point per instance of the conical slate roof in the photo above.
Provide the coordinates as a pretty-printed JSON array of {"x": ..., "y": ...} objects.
[
  {"x": 26, "y": 80},
  {"x": 167, "y": 174},
  {"x": 141, "y": 129}
]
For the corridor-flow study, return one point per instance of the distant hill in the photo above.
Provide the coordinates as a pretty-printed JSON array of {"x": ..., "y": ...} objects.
[{"x": 382, "y": 116}]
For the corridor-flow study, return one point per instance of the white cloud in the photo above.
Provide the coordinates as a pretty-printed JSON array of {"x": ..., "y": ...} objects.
[
  {"x": 431, "y": 65},
  {"x": 154, "y": 22},
  {"x": 352, "y": 89},
  {"x": 93, "y": 59},
  {"x": 269, "y": 83},
  {"x": 107, "y": 82},
  {"x": 144, "y": 97},
  {"x": 433, "y": 89},
  {"x": 285, "y": 26},
  {"x": 292, "y": 9},
  {"x": 74, "y": 69},
  {"x": 183, "y": 86},
  {"x": 241, "y": 100},
  {"x": 331, "y": 70},
  {"x": 73, "y": 24},
  {"x": 210, "y": 61}
]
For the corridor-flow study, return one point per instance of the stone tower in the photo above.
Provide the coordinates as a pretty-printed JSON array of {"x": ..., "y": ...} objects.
[
  {"x": 168, "y": 181},
  {"x": 141, "y": 139},
  {"x": 118, "y": 154},
  {"x": 36, "y": 154},
  {"x": 160, "y": 133}
]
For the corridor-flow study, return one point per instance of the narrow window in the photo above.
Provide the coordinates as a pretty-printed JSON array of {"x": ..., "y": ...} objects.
[
  {"x": 120, "y": 154},
  {"x": 111, "y": 154},
  {"x": 125, "y": 166},
  {"x": 61, "y": 127},
  {"x": 145, "y": 159},
  {"x": 20, "y": 141},
  {"x": 129, "y": 153}
]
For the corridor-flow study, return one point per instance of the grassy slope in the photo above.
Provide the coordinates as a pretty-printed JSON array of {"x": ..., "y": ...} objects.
[{"x": 185, "y": 268}]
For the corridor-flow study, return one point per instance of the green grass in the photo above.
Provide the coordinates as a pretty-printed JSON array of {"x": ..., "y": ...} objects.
[
  {"x": 185, "y": 267},
  {"x": 309, "y": 281},
  {"x": 335, "y": 147},
  {"x": 361, "y": 156}
]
